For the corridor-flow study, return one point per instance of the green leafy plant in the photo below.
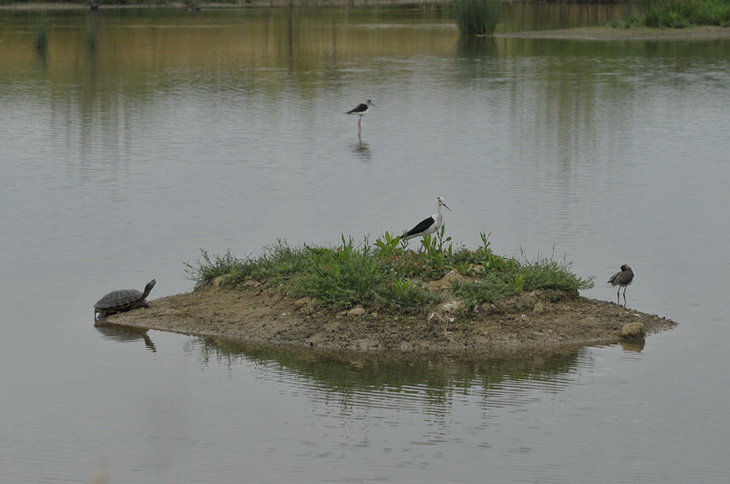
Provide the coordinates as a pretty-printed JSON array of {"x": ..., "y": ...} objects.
[
  {"x": 518, "y": 283},
  {"x": 388, "y": 244},
  {"x": 407, "y": 294}
]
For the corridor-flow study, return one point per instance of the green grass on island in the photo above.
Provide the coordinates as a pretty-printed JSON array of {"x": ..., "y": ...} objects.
[{"x": 387, "y": 274}]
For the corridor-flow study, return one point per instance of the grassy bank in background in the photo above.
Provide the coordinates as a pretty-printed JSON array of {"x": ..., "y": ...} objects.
[
  {"x": 196, "y": 4},
  {"x": 675, "y": 13},
  {"x": 387, "y": 274}
]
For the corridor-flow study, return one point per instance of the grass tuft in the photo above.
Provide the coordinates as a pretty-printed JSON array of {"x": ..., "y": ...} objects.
[
  {"x": 512, "y": 277},
  {"x": 339, "y": 277},
  {"x": 406, "y": 295},
  {"x": 278, "y": 263}
]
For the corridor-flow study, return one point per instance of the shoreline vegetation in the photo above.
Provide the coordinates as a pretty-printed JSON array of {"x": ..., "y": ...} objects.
[
  {"x": 642, "y": 19},
  {"x": 233, "y": 4},
  {"x": 386, "y": 296}
]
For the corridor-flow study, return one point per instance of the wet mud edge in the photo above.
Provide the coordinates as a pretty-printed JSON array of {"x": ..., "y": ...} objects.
[{"x": 531, "y": 321}]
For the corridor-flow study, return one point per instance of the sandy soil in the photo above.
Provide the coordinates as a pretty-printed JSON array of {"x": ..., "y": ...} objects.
[{"x": 527, "y": 322}]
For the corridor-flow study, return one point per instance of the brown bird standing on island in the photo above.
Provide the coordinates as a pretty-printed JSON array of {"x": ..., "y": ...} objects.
[{"x": 622, "y": 279}]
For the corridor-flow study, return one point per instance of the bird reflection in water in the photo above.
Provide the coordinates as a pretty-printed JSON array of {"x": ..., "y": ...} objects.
[{"x": 362, "y": 150}]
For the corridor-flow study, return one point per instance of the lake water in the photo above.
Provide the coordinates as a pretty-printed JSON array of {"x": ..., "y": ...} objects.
[{"x": 226, "y": 130}]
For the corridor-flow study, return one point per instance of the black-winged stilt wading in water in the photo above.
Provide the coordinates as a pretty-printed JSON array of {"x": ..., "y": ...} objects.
[
  {"x": 429, "y": 225},
  {"x": 622, "y": 279},
  {"x": 361, "y": 110}
]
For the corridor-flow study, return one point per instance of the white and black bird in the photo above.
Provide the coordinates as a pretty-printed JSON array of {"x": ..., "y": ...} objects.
[
  {"x": 361, "y": 110},
  {"x": 429, "y": 225},
  {"x": 622, "y": 279}
]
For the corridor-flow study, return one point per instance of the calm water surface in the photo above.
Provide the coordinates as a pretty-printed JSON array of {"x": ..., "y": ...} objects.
[{"x": 226, "y": 130}]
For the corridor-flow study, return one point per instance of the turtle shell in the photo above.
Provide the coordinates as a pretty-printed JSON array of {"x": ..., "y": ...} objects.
[{"x": 123, "y": 300}]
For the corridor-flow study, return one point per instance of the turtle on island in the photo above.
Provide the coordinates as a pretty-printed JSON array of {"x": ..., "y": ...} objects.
[{"x": 122, "y": 300}]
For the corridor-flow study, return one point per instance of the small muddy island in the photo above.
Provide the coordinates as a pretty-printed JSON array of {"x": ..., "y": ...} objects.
[
  {"x": 530, "y": 321},
  {"x": 387, "y": 296}
]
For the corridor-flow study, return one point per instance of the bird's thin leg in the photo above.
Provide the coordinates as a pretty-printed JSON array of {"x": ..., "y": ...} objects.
[
  {"x": 618, "y": 296},
  {"x": 625, "y": 287}
]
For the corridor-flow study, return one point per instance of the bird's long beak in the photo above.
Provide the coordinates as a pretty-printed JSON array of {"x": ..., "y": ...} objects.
[{"x": 447, "y": 207}]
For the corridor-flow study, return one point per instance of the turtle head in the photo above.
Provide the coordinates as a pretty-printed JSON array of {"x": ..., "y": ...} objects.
[{"x": 149, "y": 287}]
